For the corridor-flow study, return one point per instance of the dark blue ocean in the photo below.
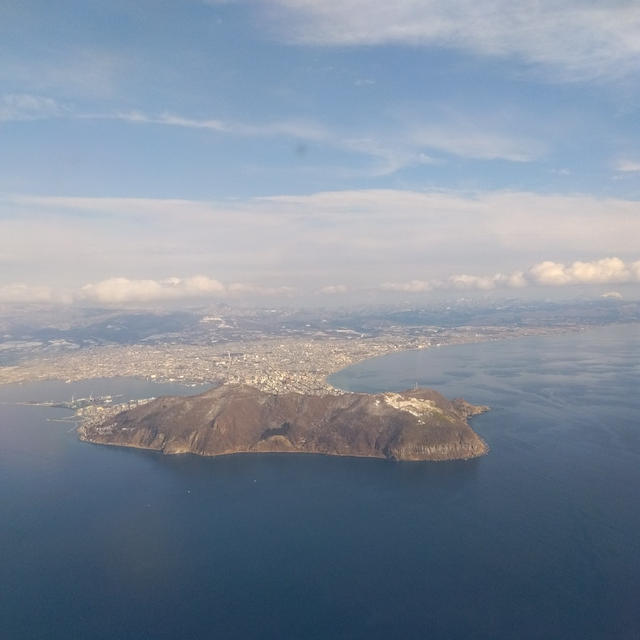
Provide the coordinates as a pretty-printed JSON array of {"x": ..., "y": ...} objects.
[{"x": 538, "y": 539}]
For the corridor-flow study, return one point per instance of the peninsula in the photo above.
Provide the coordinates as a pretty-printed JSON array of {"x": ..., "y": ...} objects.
[{"x": 420, "y": 424}]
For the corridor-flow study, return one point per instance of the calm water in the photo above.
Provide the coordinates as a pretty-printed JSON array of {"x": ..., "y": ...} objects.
[{"x": 539, "y": 539}]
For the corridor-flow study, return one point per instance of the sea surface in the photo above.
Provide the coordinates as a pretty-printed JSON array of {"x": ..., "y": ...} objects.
[{"x": 538, "y": 539}]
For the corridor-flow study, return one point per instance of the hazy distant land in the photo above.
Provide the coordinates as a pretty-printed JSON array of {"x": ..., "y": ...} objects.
[{"x": 284, "y": 356}]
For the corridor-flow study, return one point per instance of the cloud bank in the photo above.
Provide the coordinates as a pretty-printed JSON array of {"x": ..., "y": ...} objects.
[
  {"x": 125, "y": 291},
  {"x": 114, "y": 291},
  {"x": 356, "y": 239},
  {"x": 19, "y": 292},
  {"x": 546, "y": 273}
]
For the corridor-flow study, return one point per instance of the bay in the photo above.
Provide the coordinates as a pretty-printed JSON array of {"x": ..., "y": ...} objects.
[{"x": 538, "y": 539}]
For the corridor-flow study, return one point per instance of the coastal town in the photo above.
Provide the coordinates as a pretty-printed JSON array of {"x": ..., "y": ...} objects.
[{"x": 272, "y": 364}]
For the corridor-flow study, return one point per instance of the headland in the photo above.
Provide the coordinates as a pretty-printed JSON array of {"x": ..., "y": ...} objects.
[{"x": 420, "y": 424}]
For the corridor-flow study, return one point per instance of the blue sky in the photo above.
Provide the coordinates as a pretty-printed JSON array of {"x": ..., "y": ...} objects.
[{"x": 190, "y": 149}]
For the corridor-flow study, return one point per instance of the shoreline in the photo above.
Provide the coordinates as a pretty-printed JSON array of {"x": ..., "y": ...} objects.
[{"x": 286, "y": 453}]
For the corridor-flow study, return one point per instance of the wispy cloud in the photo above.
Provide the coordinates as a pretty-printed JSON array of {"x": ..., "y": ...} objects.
[
  {"x": 130, "y": 208},
  {"x": 580, "y": 40},
  {"x": 14, "y": 107},
  {"x": 390, "y": 151},
  {"x": 476, "y": 142},
  {"x": 333, "y": 289},
  {"x": 23, "y": 106},
  {"x": 628, "y": 166},
  {"x": 393, "y": 147},
  {"x": 243, "y": 288},
  {"x": 75, "y": 72},
  {"x": 289, "y": 128}
]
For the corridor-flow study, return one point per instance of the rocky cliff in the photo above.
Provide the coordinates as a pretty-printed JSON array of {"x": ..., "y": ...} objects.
[{"x": 414, "y": 425}]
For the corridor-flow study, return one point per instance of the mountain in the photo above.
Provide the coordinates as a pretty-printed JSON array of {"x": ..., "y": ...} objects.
[{"x": 420, "y": 424}]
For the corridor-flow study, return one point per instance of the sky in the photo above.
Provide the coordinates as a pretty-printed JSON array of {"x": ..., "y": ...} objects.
[{"x": 194, "y": 150}]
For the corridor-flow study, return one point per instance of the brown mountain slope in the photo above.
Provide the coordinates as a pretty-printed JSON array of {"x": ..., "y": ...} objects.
[{"x": 414, "y": 425}]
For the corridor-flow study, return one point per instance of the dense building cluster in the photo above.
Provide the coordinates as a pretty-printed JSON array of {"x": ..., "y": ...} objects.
[{"x": 275, "y": 365}]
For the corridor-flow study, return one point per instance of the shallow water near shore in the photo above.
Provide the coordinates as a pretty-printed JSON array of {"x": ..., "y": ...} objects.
[{"x": 538, "y": 539}]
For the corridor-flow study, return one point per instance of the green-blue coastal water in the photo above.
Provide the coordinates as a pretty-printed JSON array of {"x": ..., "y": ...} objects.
[{"x": 539, "y": 539}]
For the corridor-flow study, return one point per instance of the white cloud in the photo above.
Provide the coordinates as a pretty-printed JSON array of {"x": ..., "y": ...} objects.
[
  {"x": 442, "y": 222},
  {"x": 459, "y": 281},
  {"x": 628, "y": 166},
  {"x": 120, "y": 207},
  {"x": 606, "y": 270},
  {"x": 290, "y": 128},
  {"x": 242, "y": 288},
  {"x": 332, "y": 289},
  {"x": 550, "y": 273},
  {"x": 22, "y": 106},
  {"x": 547, "y": 273},
  {"x": 18, "y": 292},
  {"x": 31, "y": 107},
  {"x": 311, "y": 241},
  {"x": 514, "y": 280},
  {"x": 388, "y": 157},
  {"x": 476, "y": 142},
  {"x": 465, "y": 281},
  {"x": 198, "y": 285},
  {"x": 581, "y": 39},
  {"x": 402, "y": 145},
  {"x": 127, "y": 291},
  {"x": 70, "y": 70},
  {"x": 413, "y": 286},
  {"x": 124, "y": 290},
  {"x": 165, "y": 119}
]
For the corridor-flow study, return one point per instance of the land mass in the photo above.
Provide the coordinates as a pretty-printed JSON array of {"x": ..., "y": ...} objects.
[{"x": 420, "y": 424}]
